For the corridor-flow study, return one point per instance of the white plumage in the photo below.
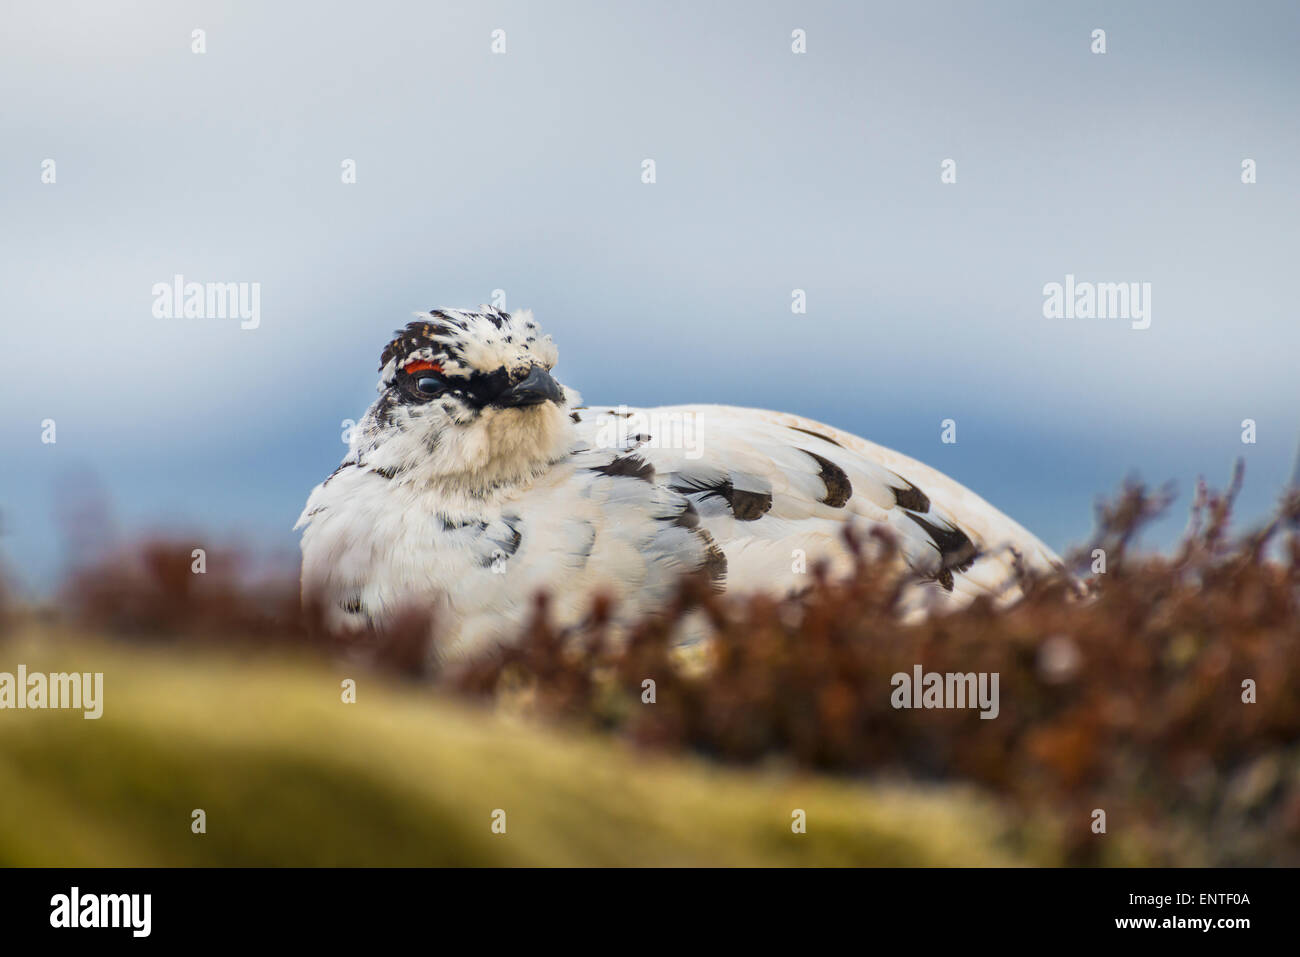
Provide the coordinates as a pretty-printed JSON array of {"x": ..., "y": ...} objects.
[{"x": 475, "y": 481}]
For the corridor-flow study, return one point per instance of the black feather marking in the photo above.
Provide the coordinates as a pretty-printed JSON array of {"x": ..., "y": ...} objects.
[
  {"x": 345, "y": 465},
  {"x": 745, "y": 506},
  {"x": 910, "y": 498},
  {"x": 442, "y": 315},
  {"x": 632, "y": 466},
  {"x": 575, "y": 417},
  {"x": 838, "y": 487},
  {"x": 688, "y": 517},
  {"x": 389, "y": 472},
  {"x": 749, "y": 506},
  {"x": 384, "y": 409},
  {"x": 817, "y": 435},
  {"x": 511, "y": 545},
  {"x": 585, "y": 552},
  {"x": 505, "y": 547},
  {"x": 715, "y": 560},
  {"x": 956, "y": 551},
  {"x": 451, "y": 525}
]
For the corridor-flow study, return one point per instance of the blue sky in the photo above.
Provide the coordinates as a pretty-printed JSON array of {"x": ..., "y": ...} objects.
[{"x": 522, "y": 172}]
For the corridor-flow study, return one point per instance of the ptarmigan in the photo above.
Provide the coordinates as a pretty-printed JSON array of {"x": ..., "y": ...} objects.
[{"x": 476, "y": 480}]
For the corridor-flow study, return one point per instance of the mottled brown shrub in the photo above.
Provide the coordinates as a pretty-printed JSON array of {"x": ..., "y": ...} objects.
[
  {"x": 1130, "y": 701},
  {"x": 150, "y": 590}
]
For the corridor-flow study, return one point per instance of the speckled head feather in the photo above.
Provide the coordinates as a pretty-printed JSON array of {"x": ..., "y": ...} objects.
[
  {"x": 418, "y": 335},
  {"x": 468, "y": 341}
]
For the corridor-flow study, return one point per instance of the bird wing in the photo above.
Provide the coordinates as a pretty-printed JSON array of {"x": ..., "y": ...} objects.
[{"x": 776, "y": 491}]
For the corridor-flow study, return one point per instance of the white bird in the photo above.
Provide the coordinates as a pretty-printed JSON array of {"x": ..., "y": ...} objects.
[{"x": 476, "y": 480}]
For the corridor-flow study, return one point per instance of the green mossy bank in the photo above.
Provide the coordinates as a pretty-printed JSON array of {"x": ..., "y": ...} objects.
[{"x": 287, "y": 774}]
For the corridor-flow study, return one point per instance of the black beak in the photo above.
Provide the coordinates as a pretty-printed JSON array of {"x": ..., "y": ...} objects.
[{"x": 533, "y": 389}]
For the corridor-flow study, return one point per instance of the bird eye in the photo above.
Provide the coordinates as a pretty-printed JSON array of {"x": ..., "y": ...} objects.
[
  {"x": 425, "y": 378},
  {"x": 429, "y": 385}
]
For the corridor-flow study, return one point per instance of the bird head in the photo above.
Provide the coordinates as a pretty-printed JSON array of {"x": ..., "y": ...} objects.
[{"x": 466, "y": 399}]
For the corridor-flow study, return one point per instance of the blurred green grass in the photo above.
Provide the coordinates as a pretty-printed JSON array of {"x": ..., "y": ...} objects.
[{"x": 289, "y": 775}]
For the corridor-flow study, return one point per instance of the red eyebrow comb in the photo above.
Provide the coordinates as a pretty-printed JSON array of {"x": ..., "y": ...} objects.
[{"x": 422, "y": 366}]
